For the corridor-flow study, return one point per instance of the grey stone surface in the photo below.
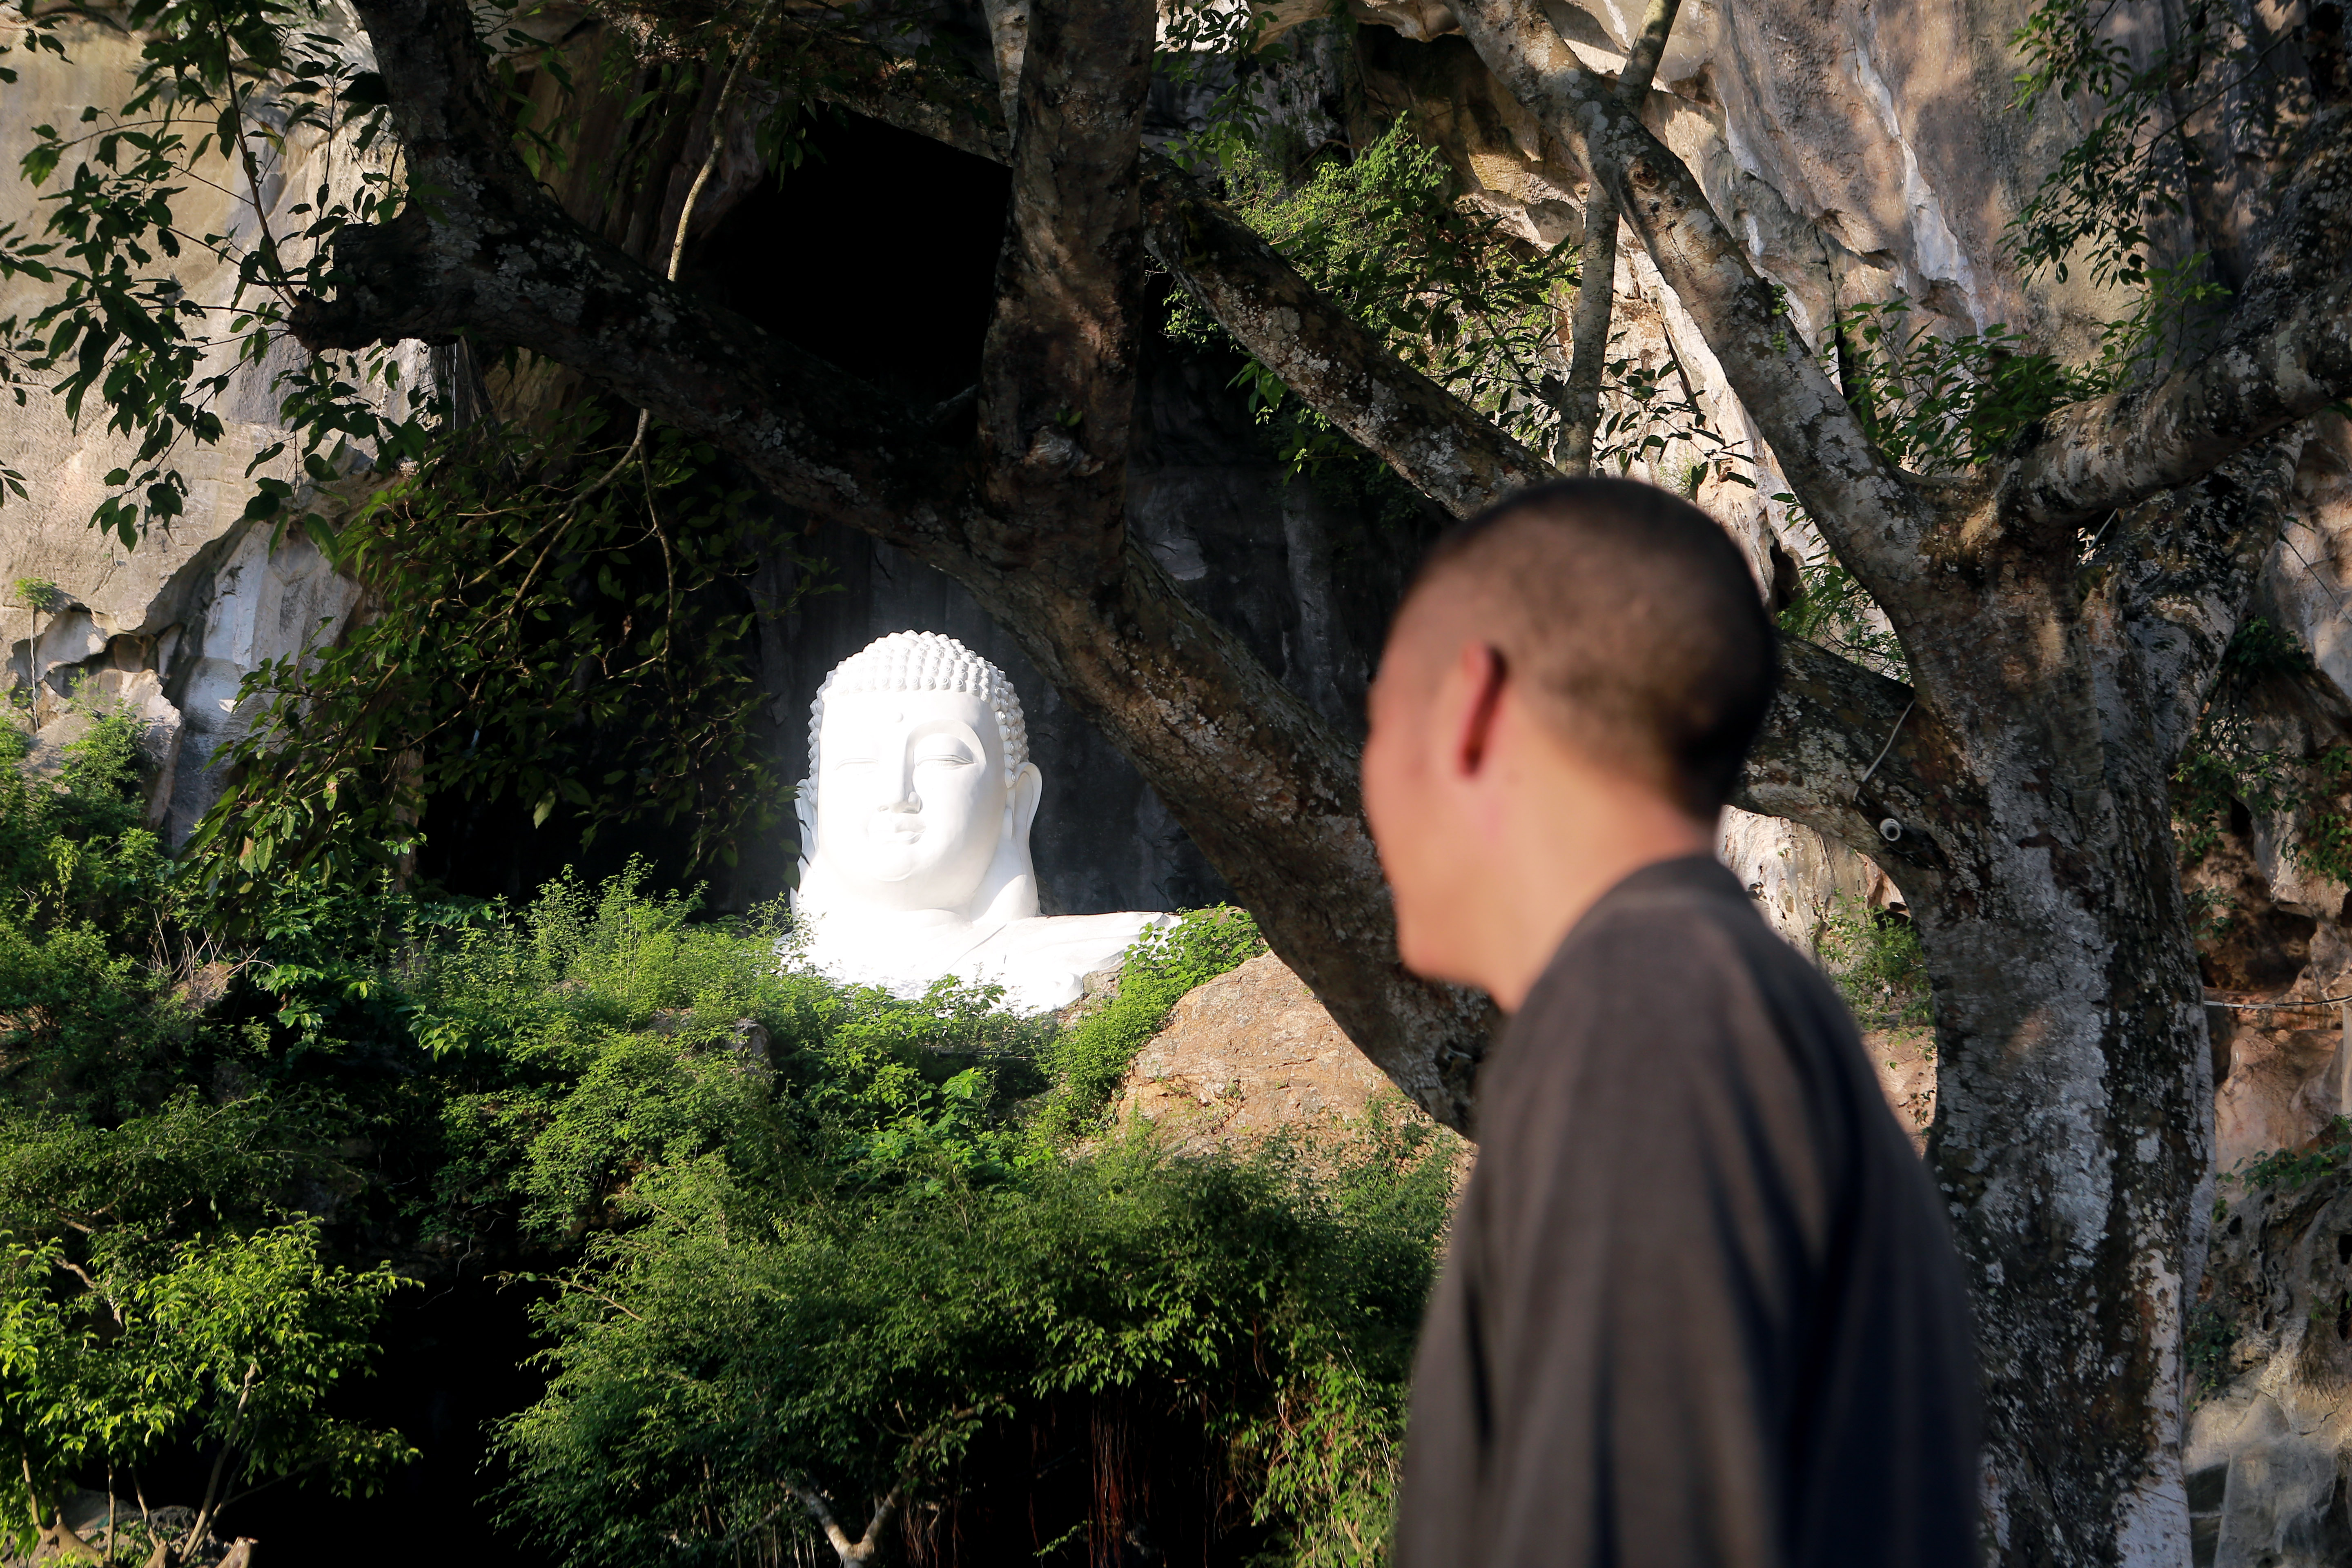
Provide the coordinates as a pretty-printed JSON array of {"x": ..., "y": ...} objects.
[{"x": 168, "y": 628}]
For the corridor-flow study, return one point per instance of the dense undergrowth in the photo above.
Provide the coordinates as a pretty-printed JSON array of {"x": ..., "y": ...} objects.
[{"x": 798, "y": 1249}]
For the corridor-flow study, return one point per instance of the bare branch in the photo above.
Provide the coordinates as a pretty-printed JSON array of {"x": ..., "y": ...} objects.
[
  {"x": 1596, "y": 287},
  {"x": 1872, "y": 517},
  {"x": 868, "y": 1548}
]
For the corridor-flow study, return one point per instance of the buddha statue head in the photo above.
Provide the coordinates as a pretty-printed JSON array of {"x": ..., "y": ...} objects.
[{"x": 920, "y": 792}]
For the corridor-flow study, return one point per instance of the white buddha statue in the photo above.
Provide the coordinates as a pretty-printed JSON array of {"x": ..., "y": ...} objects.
[{"x": 915, "y": 823}]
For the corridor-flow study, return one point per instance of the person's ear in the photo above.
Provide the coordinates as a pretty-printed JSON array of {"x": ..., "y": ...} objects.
[{"x": 1483, "y": 674}]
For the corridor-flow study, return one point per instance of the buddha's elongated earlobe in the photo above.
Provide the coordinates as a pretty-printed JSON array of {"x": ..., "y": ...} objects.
[{"x": 1021, "y": 802}]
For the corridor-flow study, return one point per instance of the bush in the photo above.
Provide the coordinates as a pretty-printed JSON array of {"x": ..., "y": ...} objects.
[
  {"x": 798, "y": 1242},
  {"x": 748, "y": 1351},
  {"x": 1874, "y": 956}
]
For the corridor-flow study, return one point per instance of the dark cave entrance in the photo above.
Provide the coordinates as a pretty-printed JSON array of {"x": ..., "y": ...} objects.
[{"x": 877, "y": 252}]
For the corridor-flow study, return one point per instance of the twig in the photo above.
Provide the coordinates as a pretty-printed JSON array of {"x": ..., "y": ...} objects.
[
  {"x": 2279, "y": 1007},
  {"x": 1884, "y": 749}
]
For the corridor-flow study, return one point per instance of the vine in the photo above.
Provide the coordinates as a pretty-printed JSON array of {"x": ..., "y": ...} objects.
[{"x": 604, "y": 664}]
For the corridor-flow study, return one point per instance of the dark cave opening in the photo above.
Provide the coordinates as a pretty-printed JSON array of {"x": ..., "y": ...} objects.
[{"x": 877, "y": 252}]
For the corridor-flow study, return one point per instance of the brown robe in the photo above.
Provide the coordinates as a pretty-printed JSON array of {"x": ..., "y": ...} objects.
[{"x": 1700, "y": 1305}]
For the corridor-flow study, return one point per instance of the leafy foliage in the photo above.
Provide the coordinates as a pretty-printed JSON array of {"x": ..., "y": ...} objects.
[
  {"x": 225, "y": 90},
  {"x": 603, "y": 663},
  {"x": 1087, "y": 1061},
  {"x": 791, "y": 1234},
  {"x": 1875, "y": 957},
  {"x": 1941, "y": 405},
  {"x": 2228, "y": 763},
  {"x": 1832, "y": 610},
  {"x": 2291, "y": 1170},
  {"x": 732, "y": 1355},
  {"x": 228, "y": 1341},
  {"x": 2134, "y": 162},
  {"x": 575, "y": 641},
  {"x": 1450, "y": 293}
]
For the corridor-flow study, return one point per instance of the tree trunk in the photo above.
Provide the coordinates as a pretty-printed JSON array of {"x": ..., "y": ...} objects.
[
  {"x": 2075, "y": 1086},
  {"x": 2075, "y": 1082}
]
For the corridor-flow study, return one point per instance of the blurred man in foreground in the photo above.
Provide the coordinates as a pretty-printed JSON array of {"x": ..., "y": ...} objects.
[{"x": 1700, "y": 1306}]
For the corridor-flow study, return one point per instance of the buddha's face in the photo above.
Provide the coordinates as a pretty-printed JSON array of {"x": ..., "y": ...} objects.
[{"x": 912, "y": 798}]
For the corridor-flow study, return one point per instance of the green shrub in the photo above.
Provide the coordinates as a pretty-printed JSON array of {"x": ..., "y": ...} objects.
[
  {"x": 1875, "y": 957},
  {"x": 745, "y": 1348},
  {"x": 801, "y": 1238}
]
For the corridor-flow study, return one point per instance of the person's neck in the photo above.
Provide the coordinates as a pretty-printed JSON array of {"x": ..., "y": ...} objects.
[{"x": 1570, "y": 833}]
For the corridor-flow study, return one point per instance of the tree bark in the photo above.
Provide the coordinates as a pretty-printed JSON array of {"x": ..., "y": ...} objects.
[{"x": 867, "y": 1549}]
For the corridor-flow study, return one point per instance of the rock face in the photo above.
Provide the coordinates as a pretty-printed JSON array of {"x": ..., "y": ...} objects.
[
  {"x": 1249, "y": 1053},
  {"x": 168, "y": 628},
  {"x": 2268, "y": 1451},
  {"x": 1904, "y": 1061}
]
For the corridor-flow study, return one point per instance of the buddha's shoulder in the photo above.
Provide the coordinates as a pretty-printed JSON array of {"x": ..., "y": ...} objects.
[{"x": 1041, "y": 933}]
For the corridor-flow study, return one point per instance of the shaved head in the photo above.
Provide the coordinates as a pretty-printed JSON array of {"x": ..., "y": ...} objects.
[{"x": 1625, "y": 616}]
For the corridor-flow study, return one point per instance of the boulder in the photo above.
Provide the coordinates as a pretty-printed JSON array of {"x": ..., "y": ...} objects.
[{"x": 1248, "y": 1054}]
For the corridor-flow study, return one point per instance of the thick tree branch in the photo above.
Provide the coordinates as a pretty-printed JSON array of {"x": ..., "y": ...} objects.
[
  {"x": 1813, "y": 764},
  {"x": 1872, "y": 517},
  {"x": 2285, "y": 353},
  {"x": 959, "y": 112},
  {"x": 484, "y": 249},
  {"x": 1058, "y": 379},
  {"x": 1437, "y": 442},
  {"x": 1443, "y": 448}
]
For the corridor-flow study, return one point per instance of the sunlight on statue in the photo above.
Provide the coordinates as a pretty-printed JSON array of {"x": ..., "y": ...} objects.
[{"x": 915, "y": 823}]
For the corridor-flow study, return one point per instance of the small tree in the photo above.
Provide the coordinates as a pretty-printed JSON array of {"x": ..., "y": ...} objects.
[{"x": 232, "y": 1342}]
